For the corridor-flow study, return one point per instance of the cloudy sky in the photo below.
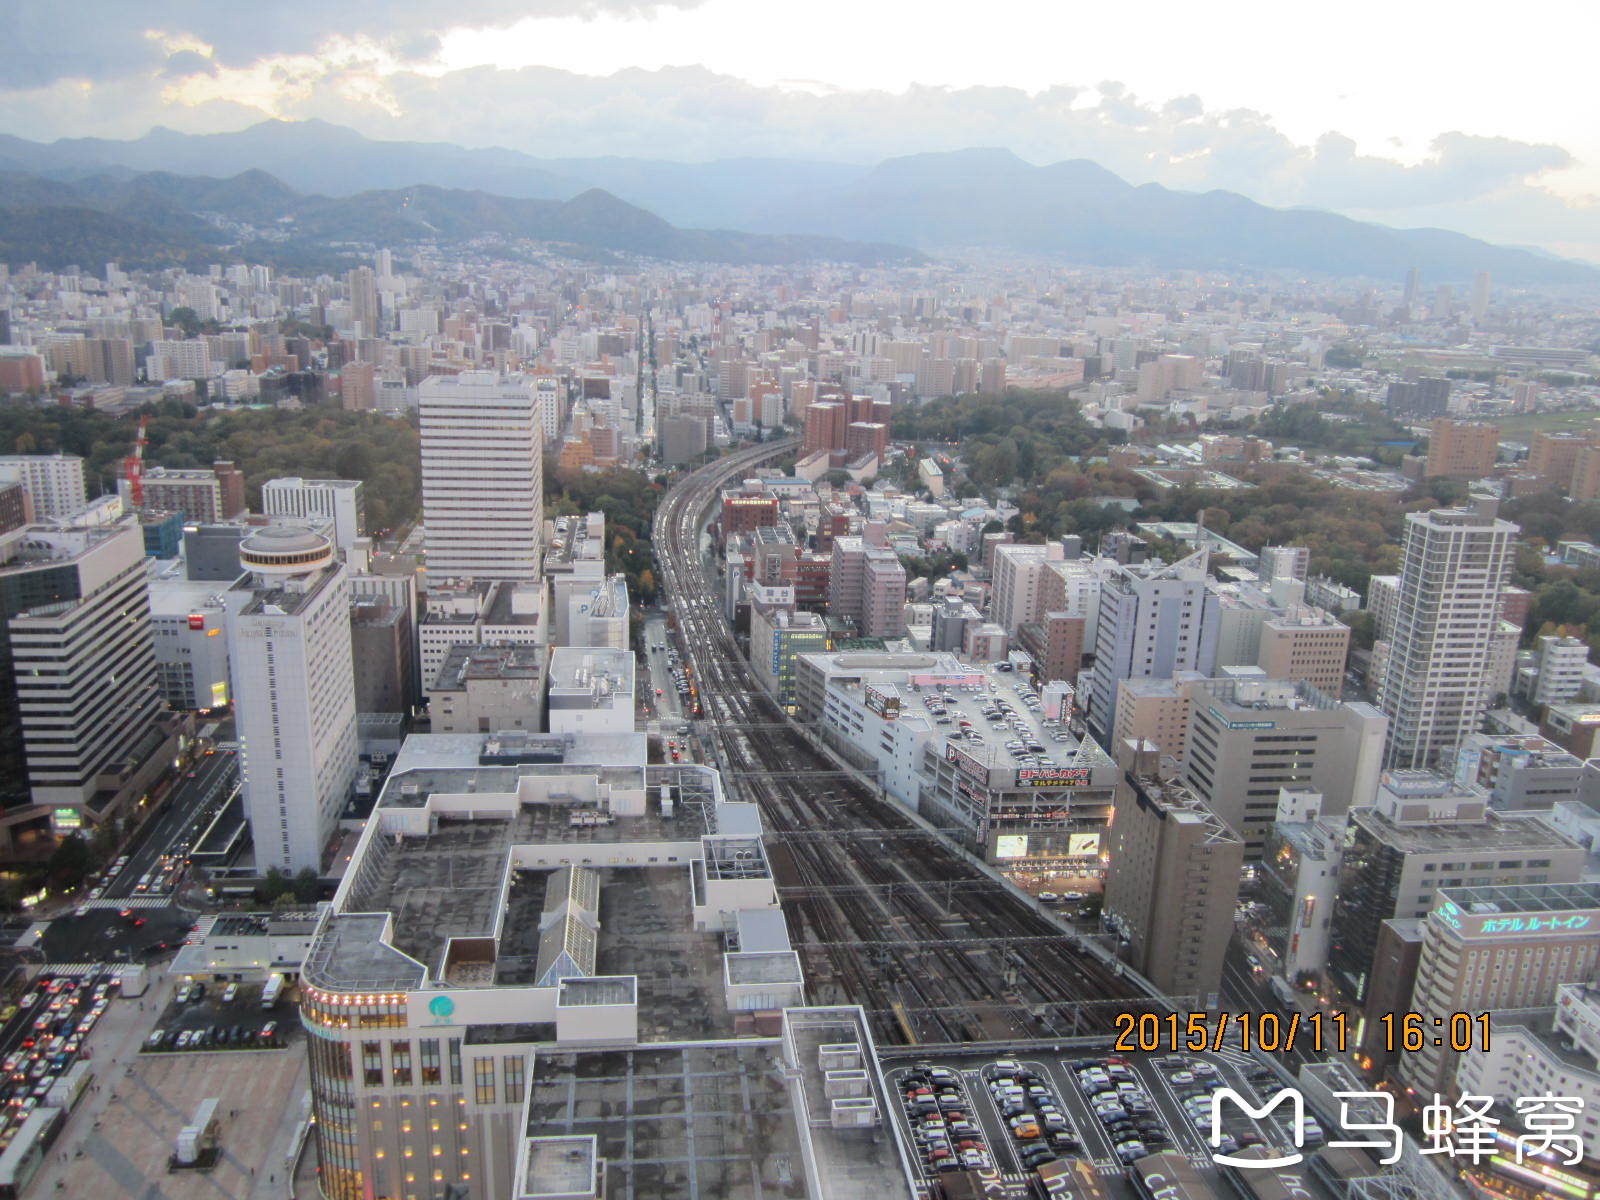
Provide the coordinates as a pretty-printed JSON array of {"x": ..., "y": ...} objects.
[{"x": 1408, "y": 113}]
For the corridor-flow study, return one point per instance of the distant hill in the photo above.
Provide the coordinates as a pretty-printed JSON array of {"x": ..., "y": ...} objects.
[
  {"x": 971, "y": 198},
  {"x": 159, "y": 217},
  {"x": 1083, "y": 212}
]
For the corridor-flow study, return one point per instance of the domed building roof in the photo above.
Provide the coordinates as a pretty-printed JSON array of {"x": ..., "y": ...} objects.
[{"x": 285, "y": 549}]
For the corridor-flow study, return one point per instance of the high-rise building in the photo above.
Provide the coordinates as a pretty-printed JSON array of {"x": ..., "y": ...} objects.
[
  {"x": 1172, "y": 886},
  {"x": 1250, "y": 738},
  {"x": 1434, "y": 686},
  {"x": 21, "y": 371},
  {"x": 1152, "y": 719},
  {"x": 358, "y": 386},
  {"x": 1461, "y": 449},
  {"x": 1020, "y": 582},
  {"x": 336, "y": 500},
  {"x": 1553, "y": 457},
  {"x": 289, "y": 644},
  {"x": 825, "y": 427},
  {"x": 867, "y": 588},
  {"x": 777, "y": 638},
  {"x": 1424, "y": 833},
  {"x": 482, "y": 476},
  {"x": 1413, "y": 289},
  {"x": 1559, "y": 665},
  {"x": 364, "y": 312},
  {"x": 1541, "y": 1052},
  {"x": 54, "y": 482},
  {"x": 1585, "y": 483},
  {"x": 1480, "y": 295},
  {"x": 1494, "y": 948},
  {"x": 1154, "y": 621},
  {"x": 383, "y": 651},
  {"x": 178, "y": 359},
  {"x": 79, "y": 677}
]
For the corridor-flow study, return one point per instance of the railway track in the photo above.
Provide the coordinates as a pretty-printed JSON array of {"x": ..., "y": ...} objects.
[{"x": 932, "y": 948}]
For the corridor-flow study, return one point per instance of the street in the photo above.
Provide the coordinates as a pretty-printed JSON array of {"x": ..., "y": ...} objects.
[{"x": 96, "y": 931}]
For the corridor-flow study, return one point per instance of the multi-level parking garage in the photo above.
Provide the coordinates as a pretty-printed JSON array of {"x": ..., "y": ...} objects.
[{"x": 884, "y": 912}]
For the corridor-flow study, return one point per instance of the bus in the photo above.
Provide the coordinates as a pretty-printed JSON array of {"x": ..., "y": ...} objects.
[
  {"x": 272, "y": 990},
  {"x": 1282, "y": 992}
]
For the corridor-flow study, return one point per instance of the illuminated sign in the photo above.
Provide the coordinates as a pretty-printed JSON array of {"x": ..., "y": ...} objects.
[
  {"x": 1083, "y": 845},
  {"x": 197, "y": 620},
  {"x": 885, "y": 704},
  {"x": 1535, "y": 924},
  {"x": 67, "y": 818},
  {"x": 1011, "y": 845},
  {"x": 1242, "y": 724},
  {"x": 1048, "y": 777},
  {"x": 219, "y": 694},
  {"x": 965, "y": 762},
  {"x": 1450, "y": 914}
]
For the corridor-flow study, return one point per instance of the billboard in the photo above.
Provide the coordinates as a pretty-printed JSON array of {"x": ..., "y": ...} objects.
[
  {"x": 1049, "y": 777},
  {"x": 1011, "y": 845},
  {"x": 885, "y": 704},
  {"x": 966, "y": 763},
  {"x": 1083, "y": 845}
]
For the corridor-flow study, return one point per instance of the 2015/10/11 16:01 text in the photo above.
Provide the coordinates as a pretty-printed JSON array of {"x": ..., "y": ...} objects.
[{"x": 1274, "y": 1032}]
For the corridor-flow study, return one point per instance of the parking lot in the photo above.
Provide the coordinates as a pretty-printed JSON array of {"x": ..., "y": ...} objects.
[
  {"x": 221, "y": 1016},
  {"x": 1011, "y": 1120}
]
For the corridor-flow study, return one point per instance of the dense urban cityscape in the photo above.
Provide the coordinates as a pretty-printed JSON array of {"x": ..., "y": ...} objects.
[{"x": 503, "y": 697}]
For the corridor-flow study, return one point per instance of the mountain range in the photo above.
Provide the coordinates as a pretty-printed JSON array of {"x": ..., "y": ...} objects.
[
  {"x": 321, "y": 178},
  {"x": 158, "y": 217}
]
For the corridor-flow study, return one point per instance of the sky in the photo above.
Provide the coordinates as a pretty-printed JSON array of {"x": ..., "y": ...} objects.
[{"x": 1406, "y": 113}]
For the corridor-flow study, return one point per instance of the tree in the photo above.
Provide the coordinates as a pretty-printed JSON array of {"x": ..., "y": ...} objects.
[
  {"x": 307, "y": 886},
  {"x": 69, "y": 862},
  {"x": 274, "y": 885},
  {"x": 186, "y": 319}
]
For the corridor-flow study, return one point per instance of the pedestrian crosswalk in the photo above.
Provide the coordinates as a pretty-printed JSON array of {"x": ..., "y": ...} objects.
[
  {"x": 132, "y": 902},
  {"x": 57, "y": 970}
]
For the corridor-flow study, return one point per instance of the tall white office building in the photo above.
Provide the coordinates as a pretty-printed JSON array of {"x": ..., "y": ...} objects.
[
  {"x": 294, "y": 692},
  {"x": 482, "y": 476},
  {"x": 1155, "y": 620},
  {"x": 83, "y": 666},
  {"x": 1434, "y": 685},
  {"x": 336, "y": 500}
]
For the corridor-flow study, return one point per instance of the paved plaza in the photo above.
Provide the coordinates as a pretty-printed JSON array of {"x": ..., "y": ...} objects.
[{"x": 118, "y": 1141}]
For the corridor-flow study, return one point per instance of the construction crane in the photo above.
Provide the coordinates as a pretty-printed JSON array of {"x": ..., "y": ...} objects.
[{"x": 133, "y": 467}]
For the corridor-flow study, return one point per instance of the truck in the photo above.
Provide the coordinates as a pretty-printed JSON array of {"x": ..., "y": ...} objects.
[
  {"x": 272, "y": 990},
  {"x": 65, "y": 1091},
  {"x": 134, "y": 980},
  {"x": 1282, "y": 992}
]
